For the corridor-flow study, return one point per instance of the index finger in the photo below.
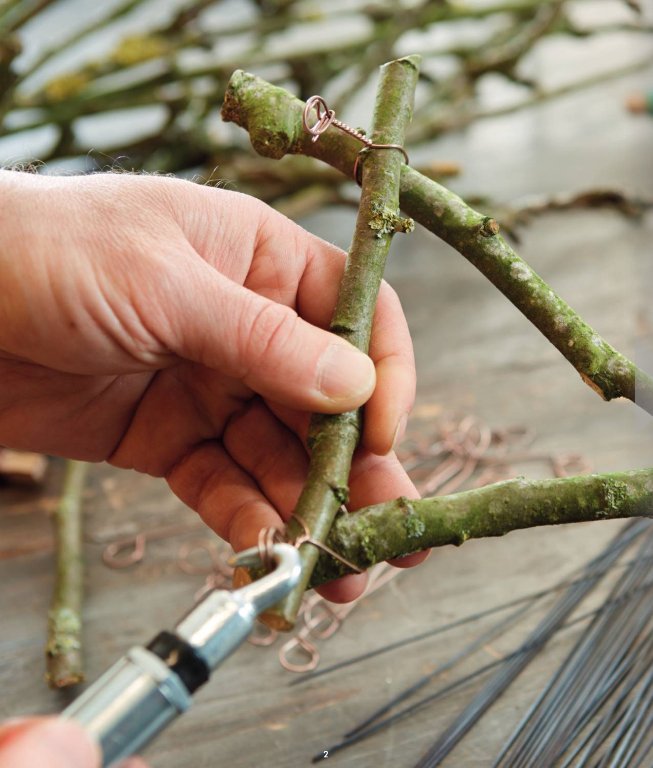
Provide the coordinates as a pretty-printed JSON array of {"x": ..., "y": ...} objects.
[{"x": 291, "y": 266}]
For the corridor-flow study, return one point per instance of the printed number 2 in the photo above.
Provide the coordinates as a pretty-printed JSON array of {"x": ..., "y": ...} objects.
[{"x": 326, "y": 753}]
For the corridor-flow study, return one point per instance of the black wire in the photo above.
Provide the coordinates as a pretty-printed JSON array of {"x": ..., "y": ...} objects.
[
  {"x": 538, "y": 638},
  {"x": 591, "y": 673},
  {"x": 590, "y": 575},
  {"x": 309, "y": 676},
  {"x": 581, "y": 691},
  {"x": 625, "y": 744},
  {"x": 643, "y": 757},
  {"x": 380, "y": 725},
  {"x": 492, "y": 633},
  {"x": 596, "y": 736}
]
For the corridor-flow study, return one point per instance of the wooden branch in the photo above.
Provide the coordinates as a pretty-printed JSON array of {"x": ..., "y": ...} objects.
[
  {"x": 605, "y": 370},
  {"x": 383, "y": 531},
  {"x": 512, "y": 45},
  {"x": 20, "y": 13},
  {"x": 273, "y": 118},
  {"x": 435, "y": 121},
  {"x": 333, "y": 438},
  {"x": 64, "y": 647},
  {"x": 521, "y": 213}
]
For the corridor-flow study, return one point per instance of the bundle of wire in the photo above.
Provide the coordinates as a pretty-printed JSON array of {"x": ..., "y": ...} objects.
[{"x": 597, "y": 708}]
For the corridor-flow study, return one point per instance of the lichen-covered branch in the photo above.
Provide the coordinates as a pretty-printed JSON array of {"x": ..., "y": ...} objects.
[
  {"x": 333, "y": 438},
  {"x": 64, "y": 647},
  {"x": 273, "y": 118},
  {"x": 600, "y": 365},
  {"x": 399, "y": 527}
]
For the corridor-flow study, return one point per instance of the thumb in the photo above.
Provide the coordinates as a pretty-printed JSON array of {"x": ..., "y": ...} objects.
[
  {"x": 46, "y": 743},
  {"x": 265, "y": 344}
]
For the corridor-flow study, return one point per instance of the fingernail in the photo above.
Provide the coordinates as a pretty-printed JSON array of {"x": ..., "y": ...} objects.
[
  {"x": 344, "y": 373},
  {"x": 67, "y": 740},
  {"x": 400, "y": 431}
]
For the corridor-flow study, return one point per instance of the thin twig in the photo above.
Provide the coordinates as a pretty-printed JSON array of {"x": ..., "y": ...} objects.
[
  {"x": 64, "y": 647},
  {"x": 273, "y": 118},
  {"x": 333, "y": 438}
]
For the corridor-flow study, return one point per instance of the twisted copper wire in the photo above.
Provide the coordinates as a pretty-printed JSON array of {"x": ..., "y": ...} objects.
[
  {"x": 327, "y": 117},
  {"x": 268, "y": 537},
  {"x": 306, "y": 538}
]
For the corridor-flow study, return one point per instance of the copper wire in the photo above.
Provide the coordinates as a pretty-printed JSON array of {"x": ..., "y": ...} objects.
[
  {"x": 301, "y": 642},
  {"x": 468, "y": 453},
  {"x": 322, "y": 619},
  {"x": 463, "y": 452},
  {"x": 113, "y": 555},
  {"x": 267, "y": 538},
  {"x": 327, "y": 117},
  {"x": 262, "y": 635},
  {"x": 129, "y": 550},
  {"x": 306, "y": 538}
]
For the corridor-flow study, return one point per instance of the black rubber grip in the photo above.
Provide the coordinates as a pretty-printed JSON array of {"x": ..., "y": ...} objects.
[{"x": 182, "y": 659}]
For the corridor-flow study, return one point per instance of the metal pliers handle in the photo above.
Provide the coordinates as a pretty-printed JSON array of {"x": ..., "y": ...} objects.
[{"x": 151, "y": 686}]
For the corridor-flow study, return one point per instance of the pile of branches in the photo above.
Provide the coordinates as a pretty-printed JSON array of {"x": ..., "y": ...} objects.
[{"x": 175, "y": 60}]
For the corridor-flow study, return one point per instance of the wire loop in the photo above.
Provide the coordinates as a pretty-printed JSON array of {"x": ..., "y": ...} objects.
[
  {"x": 327, "y": 117},
  {"x": 306, "y": 538},
  {"x": 268, "y": 537}
]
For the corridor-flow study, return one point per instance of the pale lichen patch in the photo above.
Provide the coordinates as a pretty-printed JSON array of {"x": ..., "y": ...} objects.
[
  {"x": 520, "y": 271},
  {"x": 386, "y": 221},
  {"x": 414, "y": 526}
]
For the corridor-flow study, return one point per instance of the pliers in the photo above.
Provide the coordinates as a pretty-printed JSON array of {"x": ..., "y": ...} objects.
[{"x": 151, "y": 685}]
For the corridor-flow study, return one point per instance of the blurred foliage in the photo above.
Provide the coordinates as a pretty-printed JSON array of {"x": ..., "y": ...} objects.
[{"x": 179, "y": 62}]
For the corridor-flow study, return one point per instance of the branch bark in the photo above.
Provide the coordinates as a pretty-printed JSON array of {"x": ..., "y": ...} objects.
[
  {"x": 395, "y": 528},
  {"x": 273, "y": 118},
  {"x": 64, "y": 647},
  {"x": 333, "y": 438}
]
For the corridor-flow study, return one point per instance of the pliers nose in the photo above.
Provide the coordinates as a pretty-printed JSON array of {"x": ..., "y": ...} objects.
[
  {"x": 270, "y": 589},
  {"x": 151, "y": 686}
]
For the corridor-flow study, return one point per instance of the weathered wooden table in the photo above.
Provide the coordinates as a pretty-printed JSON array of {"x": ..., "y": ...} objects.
[{"x": 475, "y": 354}]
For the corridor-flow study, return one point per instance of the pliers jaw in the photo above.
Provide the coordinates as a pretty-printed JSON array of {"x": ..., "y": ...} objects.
[
  {"x": 223, "y": 620},
  {"x": 149, "y": 687}
]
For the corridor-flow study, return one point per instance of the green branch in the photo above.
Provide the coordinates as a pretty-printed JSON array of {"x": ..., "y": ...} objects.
[
  {"x": 399, "y": 527},
  {"x": 64, "y": 647},
  {"x": 273, "y": 118},
  {"x": 333, "y": 438}
]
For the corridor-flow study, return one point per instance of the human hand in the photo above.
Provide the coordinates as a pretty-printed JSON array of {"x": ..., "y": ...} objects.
[
  {"x": 48, "y": 742},
  {"x": 177, "y": 330}
]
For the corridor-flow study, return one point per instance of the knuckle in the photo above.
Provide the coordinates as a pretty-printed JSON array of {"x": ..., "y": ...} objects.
[{"x": 267, "y": 333}]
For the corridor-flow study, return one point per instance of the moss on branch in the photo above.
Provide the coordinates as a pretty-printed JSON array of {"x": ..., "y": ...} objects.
[
  {"x": 273, "y": 118},
  {"x": 399, "y": 527}
]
